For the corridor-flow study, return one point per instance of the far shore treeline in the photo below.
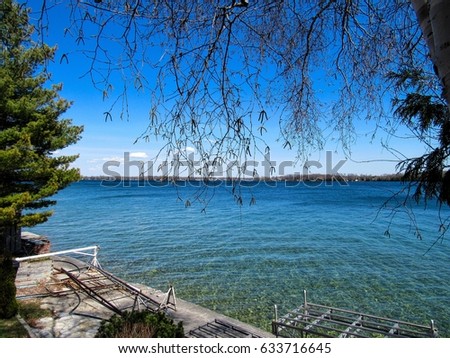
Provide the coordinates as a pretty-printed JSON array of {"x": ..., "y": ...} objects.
[{"x": 292, "y": 177}]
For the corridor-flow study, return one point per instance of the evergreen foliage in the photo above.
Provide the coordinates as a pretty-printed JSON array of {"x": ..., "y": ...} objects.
[
  {"x": 425, "y": 111},
  {"x": 140, "y": 324},
  {"x": 31, "y": 131},
  {"x": 8, "y": 303}
]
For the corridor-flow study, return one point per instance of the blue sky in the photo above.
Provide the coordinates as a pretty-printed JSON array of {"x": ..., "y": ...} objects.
[{"x": 105, "y": 141}]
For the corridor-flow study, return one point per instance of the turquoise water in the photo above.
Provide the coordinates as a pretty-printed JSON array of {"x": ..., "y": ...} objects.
[{"x": 241, "y": 261}]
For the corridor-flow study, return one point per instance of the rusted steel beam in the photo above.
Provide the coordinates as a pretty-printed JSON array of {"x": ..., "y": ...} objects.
[{"x": 91, "y": 293}]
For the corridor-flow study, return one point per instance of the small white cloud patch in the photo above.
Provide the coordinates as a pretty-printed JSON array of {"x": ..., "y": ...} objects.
[{"x": 138, "y": 155}]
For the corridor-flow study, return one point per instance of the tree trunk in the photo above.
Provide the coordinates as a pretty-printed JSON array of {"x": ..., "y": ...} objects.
[
  {"x": 10, "y": 239},
  {"x": 434, "y": 20}
]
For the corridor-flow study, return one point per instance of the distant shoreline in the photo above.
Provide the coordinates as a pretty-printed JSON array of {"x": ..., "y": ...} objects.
[{"x": 286, "y": 178}]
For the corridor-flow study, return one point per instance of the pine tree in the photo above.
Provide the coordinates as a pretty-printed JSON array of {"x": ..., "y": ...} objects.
[
  {"x": 31, "y": 130},
  {"x": 8, "y": 303},
  {"x": 426, "y": 112}
]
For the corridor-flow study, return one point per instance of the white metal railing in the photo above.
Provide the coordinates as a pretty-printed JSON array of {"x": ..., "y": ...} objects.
[{"x": 94, "y": 262}]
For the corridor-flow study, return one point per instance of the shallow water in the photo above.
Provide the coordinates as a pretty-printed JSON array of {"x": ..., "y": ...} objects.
[{"x": 328, "y": 239}]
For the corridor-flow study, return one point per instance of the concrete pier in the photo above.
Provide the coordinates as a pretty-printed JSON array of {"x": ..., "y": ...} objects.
[{"x": 77, "y": 312}]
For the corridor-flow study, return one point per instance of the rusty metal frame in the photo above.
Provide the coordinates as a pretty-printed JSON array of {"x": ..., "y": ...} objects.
[
  {"x": 314, "y": 320},
  {"x": 97, "y": 286}
]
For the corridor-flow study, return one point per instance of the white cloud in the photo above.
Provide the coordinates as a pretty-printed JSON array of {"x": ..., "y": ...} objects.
[
  {"x": 116, "y": 159},
  {"x": 190, "y": 150},
  {"x": 138, "y": 155}
]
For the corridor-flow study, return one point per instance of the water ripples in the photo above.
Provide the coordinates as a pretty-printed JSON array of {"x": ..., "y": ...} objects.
[{"x": 241, "y": 261}]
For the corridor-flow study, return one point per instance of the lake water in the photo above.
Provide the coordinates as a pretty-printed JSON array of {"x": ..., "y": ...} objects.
[{"x": 241, "y": 260}]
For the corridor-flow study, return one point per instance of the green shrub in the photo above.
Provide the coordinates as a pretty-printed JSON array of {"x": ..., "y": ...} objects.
[
  {"x": 140, "y": 324},
  {"x": 8, "y": 303}
]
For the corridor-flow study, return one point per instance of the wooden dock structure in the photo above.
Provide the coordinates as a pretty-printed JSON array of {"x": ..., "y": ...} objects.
[{"x": 314, "y": 320}]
